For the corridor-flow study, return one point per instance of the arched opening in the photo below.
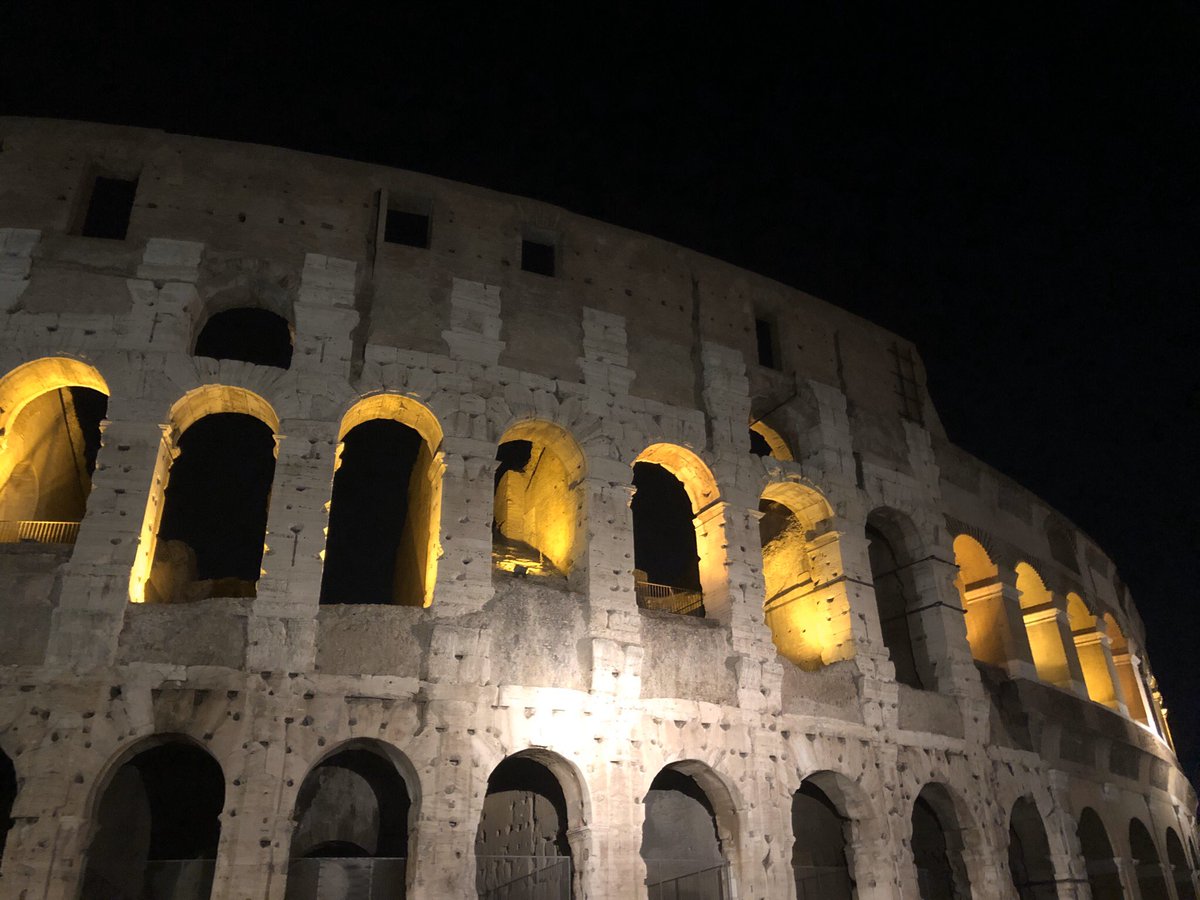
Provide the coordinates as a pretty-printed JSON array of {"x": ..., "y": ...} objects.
[
  {"x": 982, "y": 595},
  {"x": 50, "y": 415},
  {"x": 1103, "y": 877},
  {"x": 538, "y": 506},
  {"x": 1042, "y": 626},
  {"x": 1150, "y": 876},
  {"x": 806, "y": 605},
  {"x": 1029, "y": 861},
  {"x": 8, "y": 796},
  {"x": 895, "y": 593},
  {"x": 682, "y": 841},
  {"x": 157, "y": 826},
  {"x": 819, "y": 853},
  {"x": 352, "y": 821},
  {"x": 247, "y": 334},
  {"x": 766, "y": 441},
  {"x": 382, "y": 545},
  {"x": 1127, "y": 671},
  {"x": 1181, "y": 872},
  {"x": 677, "y": 545},
  {"x": 214, "y": 512},
  {"x": 521, "y": 846},
  {"x": 937, "y": 846}
]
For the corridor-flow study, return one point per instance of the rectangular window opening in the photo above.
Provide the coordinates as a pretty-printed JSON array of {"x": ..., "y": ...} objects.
[
  {"x": 768, "y": 343},
  {"x": 538, "y": 257},
  {"x": 907, "y": 387},
  {"x": 403, "y": 226},
  {"x": 109, "y": 208}
]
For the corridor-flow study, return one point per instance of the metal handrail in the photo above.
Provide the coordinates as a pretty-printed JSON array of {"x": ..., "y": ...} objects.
[
  {"x": 667, "y": 598},
  {"x": 38, "y": 532}
]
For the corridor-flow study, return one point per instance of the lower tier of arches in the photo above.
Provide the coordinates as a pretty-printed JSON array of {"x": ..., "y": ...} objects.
[{"x": 227, "y": 784}]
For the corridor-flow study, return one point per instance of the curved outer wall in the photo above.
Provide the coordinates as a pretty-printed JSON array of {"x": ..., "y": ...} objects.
[{"x": 633, "y": 342}]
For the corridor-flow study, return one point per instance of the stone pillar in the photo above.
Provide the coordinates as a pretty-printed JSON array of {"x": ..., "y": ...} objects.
[
  {"x": 165, "y": 306},
  {"x": 1053, "y": 646},
  {"x": 16, "y": 259},
  {"x": 1127, "y": 872},
  {"x": 45, "y": 850},
  {"x": 474, "y": 332},
  {"x": 1128, "y": 668},
  {"x": 96, "y": 581},
  {"x": 282, "y": 624},
  {"x": 938, "y": 622},
  {"x": 995, "y": 627},
  {"x": 325, "y": 316},
  {"x": 1094, "y": 650},
  {"x": 464, "y": 574}
]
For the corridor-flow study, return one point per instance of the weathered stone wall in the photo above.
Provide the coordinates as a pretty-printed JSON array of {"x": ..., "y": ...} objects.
[{"x": 633, "y": 343}]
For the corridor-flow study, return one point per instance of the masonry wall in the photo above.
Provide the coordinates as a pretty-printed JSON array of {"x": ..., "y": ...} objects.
[{"x": 633, "y": 343}]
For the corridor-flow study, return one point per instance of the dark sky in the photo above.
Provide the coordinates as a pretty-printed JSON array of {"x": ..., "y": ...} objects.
[{"x": 1013, "y": 186}]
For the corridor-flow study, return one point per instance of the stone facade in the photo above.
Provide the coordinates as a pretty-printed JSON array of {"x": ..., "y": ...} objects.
[{"x": 1010, "y": 677}]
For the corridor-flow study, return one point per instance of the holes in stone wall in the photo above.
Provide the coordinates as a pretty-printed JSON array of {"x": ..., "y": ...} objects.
[
  {"x": 251, "y": 335},
  {"x": 157, "y": 826},
  {"x": 378, "y": 517},
  {"x": 407, "y": 227},
  {"x": 539, "y": 257},
  {"x": 210, "y": 539}
]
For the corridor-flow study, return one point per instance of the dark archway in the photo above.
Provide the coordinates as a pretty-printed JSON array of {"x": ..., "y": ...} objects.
[
  {"x": 378, "y": 513},
  {"x": 1103, "y": 877},
  {"x": 1181, "y": 872},
  {"x": 214, "y": 520},
  {"x": 895, "y": 595},
  {"x": 819, "y": 859},
  {"x": 251, "y": 335},
  {"x": 352, "y": 821},
  {"x": 521, "y": 846},
  {"x": 157, "y": 826},
  {"x": 1151, "y": 879},
  {"x": 664, "y": 542},
  {"x": 8, "y": 796},
  {"x": 937, "y": 847},
  {"x": 1029, "y": 861},
  {"x": 681, "y": 844}
]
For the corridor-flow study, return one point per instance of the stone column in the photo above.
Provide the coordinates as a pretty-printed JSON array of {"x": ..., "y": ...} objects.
[
  {"x": 995, "y": 626},
  {"x": 325, "y": 316},
  {"x": 1094, "y": 650},
  {"x": 45, "y": 850},
  {"x": 938, "y": 622},
  {"x": 464, "y": 574},
  {"x": 282, "y": 624},
  {"x": 1127, "y": 872},
  {"x": 96, "y": 582}
]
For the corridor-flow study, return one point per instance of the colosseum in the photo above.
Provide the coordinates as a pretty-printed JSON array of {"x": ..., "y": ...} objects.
[{"x": 370, "y": 535}]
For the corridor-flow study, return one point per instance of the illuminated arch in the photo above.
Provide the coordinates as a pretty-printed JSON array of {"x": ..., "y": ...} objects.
[
  {"x": 983, "y": 600},
  {"x": 189, "y": 409},
  {"x": 1128, "y": 671},
  {"x": 49, "y": 436},
  {"x": 413, "y": 568},
  {"x": 539, "y": 512},
  {"x": 774, "y": 440},
  {"x": 806, "y": 604},
  {"x": 1042, "y": 625},
  {"x": 699, "y": 486},
  {"x": 1093, "y": 650}
]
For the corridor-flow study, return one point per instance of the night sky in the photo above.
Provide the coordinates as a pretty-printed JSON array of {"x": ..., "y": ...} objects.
[{"x": 1014, "y": 187}]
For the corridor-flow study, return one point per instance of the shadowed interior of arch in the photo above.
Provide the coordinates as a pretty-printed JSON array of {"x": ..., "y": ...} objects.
[
  {"x": 894, "y": 594},
  {"x": 353, "y": 816},
  {"x": 157, "y": 826},
  {"x": 819, "y": 859},
  {"x": 8, "y": 795},
  {"x": 378, "y": 514},
  {"x": 1103, "y": 877},
  {"x": 664, "y": 538},
  {"x": 680, "y": 841},
  {"x": 48, "y": 461},
  {"x": 1181, "y": 872},
  {"x": 937, "y": 846},
  {"x": 248, "y": 334},
  {"x": 521, "y": 846},
  {"x": 210, "y": 538},
  {"x": 1029, "y": 862},
  {"x": 1150, "y": 876}
]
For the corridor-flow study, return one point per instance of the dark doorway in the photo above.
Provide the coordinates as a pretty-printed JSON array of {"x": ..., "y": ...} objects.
[
  {"x": 8, "y": 796},
  {"x": 521, "y": 848},
  {"x": 664, "y": 541},
  {"x": 216, "y": 505},
  {"x": 157, "y": 827},
  {"x": 936, "y": 848},
  {"x": 1029, "y": 861},
  {"x": 1103, "y": 877},
  {"x": 248, "y": 334},
  {"x": 680, "y": 842},
  {"x": 353, "y": 816},
  {"x": 892, "y": 594},
  {"x": 1150, "y": 876},
  {"x": 819, "y": 848},
  {"x": 1181, "y": 872},
  {"x": 378, "y": 517}
]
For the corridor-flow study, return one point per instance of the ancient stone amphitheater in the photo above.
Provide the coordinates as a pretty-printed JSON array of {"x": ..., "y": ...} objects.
[{"x": 371, "y": 535}]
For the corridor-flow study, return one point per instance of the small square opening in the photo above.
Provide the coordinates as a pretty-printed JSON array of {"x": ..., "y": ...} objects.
[
  {"x": 109, "y": 207},
  {"x": 403, "y": 226},
  {"x": 768, "y": 343},
  {"x": 537, "y": 257}
]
